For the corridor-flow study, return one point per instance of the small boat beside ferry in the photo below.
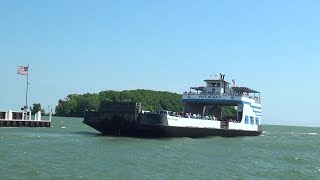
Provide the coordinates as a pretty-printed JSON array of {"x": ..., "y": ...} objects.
[{"x": 203, "y": 114}]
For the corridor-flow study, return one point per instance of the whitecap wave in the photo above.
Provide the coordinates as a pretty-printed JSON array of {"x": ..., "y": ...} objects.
[{"x": 312, "y": 134}]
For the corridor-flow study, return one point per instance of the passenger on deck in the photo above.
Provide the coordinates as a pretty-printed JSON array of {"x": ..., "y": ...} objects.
[{"x": 194, "y": 116}]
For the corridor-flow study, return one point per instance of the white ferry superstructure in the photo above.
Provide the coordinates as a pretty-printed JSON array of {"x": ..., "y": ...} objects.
[{"x": 211, "y": 99}]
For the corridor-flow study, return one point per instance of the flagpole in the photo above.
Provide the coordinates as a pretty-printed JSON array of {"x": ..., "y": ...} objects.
[{"x": 26, "y": 107}]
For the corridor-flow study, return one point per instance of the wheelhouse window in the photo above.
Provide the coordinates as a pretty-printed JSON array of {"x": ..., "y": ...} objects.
[
  {"x": 246, "y": 120},
  {"x": 257, "y": 120},
  {"x": 251, "y": 120}
]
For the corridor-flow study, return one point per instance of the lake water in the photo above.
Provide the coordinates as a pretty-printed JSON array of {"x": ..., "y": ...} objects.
[{"x": 71, "y": 150}]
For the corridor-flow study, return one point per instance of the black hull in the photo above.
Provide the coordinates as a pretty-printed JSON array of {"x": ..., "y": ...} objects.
[
  {"x": 161, "y": 131},
  {"x": 123, "y": 119},
  {"x": 169, "y": 131}
]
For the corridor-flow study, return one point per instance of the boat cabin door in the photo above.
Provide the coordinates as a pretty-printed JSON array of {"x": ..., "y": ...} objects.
[{"x": 224, "y": 124}]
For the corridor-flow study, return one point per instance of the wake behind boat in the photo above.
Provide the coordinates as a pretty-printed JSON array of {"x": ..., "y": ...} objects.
[{"x": 203, "y": 114}]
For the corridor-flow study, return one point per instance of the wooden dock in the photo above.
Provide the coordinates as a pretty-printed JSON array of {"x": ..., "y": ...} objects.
[{"x": 23, "y": 119}]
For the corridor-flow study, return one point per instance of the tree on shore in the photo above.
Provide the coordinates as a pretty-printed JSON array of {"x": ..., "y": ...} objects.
[{"x": 36, "y": 108}]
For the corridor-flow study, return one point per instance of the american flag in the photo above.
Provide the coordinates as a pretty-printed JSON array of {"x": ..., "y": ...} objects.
[{"x": 23, "y": 70}]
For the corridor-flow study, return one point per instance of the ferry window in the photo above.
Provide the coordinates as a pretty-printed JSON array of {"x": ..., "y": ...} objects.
[
  {"x": 257, "y": 120},
  {"x": 246, "y": 120},
  {"x": 214, "y": 84},
  {"x": 251, "y": 120},
  {"x": 218, "y": 84}
]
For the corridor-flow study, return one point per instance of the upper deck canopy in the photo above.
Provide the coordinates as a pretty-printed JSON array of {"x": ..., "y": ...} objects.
[
  {"x": 244, "y": 89},
  {"x": 201, "y": 88},
  {"x": 215, "y": 81}
]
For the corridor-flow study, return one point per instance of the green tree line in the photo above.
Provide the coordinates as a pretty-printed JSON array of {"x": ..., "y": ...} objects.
[{"x": 74, "y": 105}]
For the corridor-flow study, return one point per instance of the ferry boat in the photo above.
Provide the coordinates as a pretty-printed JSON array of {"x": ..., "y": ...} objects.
[{"x": 203, "y": 114}]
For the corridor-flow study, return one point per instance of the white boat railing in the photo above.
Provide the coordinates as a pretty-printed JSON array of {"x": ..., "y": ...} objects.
[{"x": 256, "y": 98}]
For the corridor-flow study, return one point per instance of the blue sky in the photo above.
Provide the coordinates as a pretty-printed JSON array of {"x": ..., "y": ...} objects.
[{"x": 79, "y": 46}]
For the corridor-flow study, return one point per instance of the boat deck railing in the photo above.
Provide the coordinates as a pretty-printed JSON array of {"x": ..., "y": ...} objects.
[{"x": 256, "y": 98}]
